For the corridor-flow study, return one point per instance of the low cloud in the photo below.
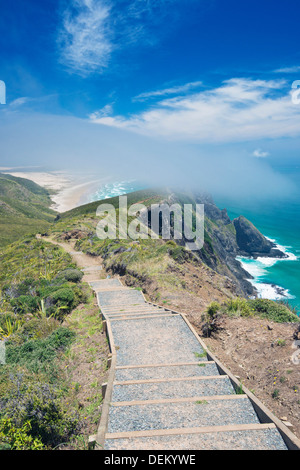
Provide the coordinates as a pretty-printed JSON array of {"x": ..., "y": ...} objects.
[{"x": 73, "y": 144}]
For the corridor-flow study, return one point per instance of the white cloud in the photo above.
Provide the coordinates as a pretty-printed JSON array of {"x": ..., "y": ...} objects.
[
  {"x": 19, "y": 102},
  {"x": 167, "y": 91},
  {"x": 85, "y": 39},
  {"x": 258, "y": 153},
  {"x": 293, "y": 69},
  {"x": 92, "y": 30},
  {"x": 104, "y": 112},
  {"x": 239, "y": 110}
]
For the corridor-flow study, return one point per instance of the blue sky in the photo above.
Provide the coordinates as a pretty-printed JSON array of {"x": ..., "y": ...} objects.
[{"x": 184, "y": 86}]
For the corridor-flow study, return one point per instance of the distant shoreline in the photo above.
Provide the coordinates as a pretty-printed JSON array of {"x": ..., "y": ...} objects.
[{"x": 66, "y": 191}]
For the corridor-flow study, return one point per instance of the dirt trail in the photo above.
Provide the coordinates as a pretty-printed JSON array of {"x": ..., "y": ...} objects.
[{"x": 83, "y": 261}]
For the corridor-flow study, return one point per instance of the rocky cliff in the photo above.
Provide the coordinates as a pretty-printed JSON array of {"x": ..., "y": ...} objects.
[{"x": 226, "y": 239}]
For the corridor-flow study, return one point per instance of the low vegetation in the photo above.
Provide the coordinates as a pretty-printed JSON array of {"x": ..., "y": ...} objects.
[
  {"x": 240, "y": 307},
  {"x": 41, "y": 290}
]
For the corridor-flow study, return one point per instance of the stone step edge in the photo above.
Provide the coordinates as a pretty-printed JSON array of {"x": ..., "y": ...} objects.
[
  {"x": 114, "y": 287},
  {"x": 145, "y": 317},
  {"x": 175, "y": 364},
  {"x": 130, "y": 309},
  {"x": 179, "y": 400},
  {"x": 137, "y": 312},
  {"x": 93, "y": 268},
  {"x": 172, "y": 379},
  {"x": 109, "y": 289},
  {"x": 128, "y": 305},
  {"x": 184, "y": 431},
  {"x": 142, "y": 314}
]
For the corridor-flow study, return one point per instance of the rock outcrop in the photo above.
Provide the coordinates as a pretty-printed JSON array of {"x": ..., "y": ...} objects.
[{"x": 252, "y": 243}]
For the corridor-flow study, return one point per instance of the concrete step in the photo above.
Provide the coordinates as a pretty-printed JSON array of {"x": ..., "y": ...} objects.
[
  {"x": 238, "y": 437},
  {"x": 120, "y": 298},
  {"x": 110, "y": 289},
  {"x": 161, "y": 340},
  {"x": 235, "y": 410},
  {"x": 166, "y": 371},
  {"x": 105, "y": 283},
  {"x": 172, "y": 388},
  {"x": 141, "y": 317},
  {"x": 125, "y": 308},
  {"x": 146, "y": 313},
  {"x": 92, "y": 269},
  {"x": 183, "y": 387}
]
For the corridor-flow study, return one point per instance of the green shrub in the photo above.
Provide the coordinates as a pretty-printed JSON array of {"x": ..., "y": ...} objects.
[
  {"x": 25, "y": 287},
  {"x": 9, "y": 324},
  {"x": 25, "y": 304},
  {"x": 273, "y": 311},
  {"x": 179, "y": 254},
  {"x": 63, "y": 296},
  {"x": 239, "y": 307},
  {"x": 39, "y": 354},
  {"x": 212, "y": 319},
  {"x": 36, "y": 328},
  {"x": 71, "y": 275},
  {"x": 213, "y": 308},
  {"x": 14, "y": 438},
  {"x": 38, "y": 410}
]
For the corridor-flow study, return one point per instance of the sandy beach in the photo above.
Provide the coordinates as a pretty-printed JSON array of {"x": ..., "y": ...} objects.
[{"x": 66, "y": 191}]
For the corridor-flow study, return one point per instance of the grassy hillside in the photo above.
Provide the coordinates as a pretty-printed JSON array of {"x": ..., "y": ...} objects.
[
  {"x": 50, "y": 325},
  {"x": 24, "y": 208}
]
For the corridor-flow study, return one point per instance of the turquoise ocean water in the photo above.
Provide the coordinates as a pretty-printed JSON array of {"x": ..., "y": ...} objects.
[
  {"x": 113, "y": 189},
  {"x": 277, "y": 220}
]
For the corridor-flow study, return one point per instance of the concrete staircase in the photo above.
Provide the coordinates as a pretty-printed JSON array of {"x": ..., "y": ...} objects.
[{"x": 166, "y": 391}]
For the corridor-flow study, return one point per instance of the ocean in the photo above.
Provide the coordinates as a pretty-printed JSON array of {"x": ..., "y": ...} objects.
[
  {"x": 113, "y": 189},
  {"x": 278, "y": 220}
]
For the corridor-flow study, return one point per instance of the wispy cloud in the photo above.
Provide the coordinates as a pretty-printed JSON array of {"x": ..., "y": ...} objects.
[
  {"x": 258, "y": 153},
  {"x": 107, "y": 110},
  {"x": 239, "y": 110},
  {"x": 92, "y": 30},
  {"x": 19, "y": 102},
  {"x": 293, "y": 69},
  {"x": 175, "y": 90},
  {"x": 85, "y": 38}
]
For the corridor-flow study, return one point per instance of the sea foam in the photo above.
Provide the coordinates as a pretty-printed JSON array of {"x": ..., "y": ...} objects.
[{"x": 258, "y": 269}]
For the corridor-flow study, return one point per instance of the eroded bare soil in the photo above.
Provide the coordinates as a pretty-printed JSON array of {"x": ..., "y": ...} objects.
[{"x": 260, "y": 353}]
